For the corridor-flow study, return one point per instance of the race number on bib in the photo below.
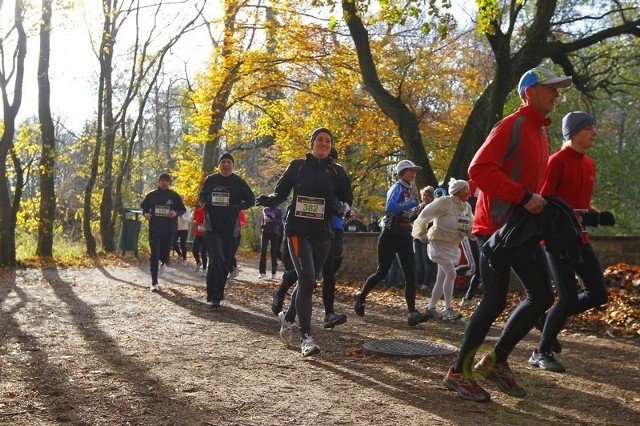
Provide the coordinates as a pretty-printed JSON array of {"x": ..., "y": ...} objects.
[
  {"x": 162, "y": 211},
  {"x": 220, "y": 199},
  {"x": 309, "y": 207},
  {"x": 464, "y": 225}
]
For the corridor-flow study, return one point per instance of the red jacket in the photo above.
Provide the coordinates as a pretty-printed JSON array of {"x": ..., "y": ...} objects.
[
  {"x": 505, "y": 184},
  {"x": 571, "y": 176},
  {"x": 198, "y": 218}
]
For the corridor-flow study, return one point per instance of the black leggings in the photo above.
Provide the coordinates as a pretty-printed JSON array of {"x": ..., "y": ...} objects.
[
  {"x": 180, "y": 243},
  {"x": 388, "y": 246},
  {"x": 273, "y": 241},
  {"x": 160, "y": 247},
  {"x": 308, "y": 256},
  {"x": 329, "y": 269},
  {"x": 534, "y": 276},
  {"x": 569, "y": 301},
  {"x": 199, "y": 250}
]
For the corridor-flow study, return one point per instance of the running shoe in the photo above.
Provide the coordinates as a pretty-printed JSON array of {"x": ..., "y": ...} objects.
[
  {"x": 414, "y": 318},
  {"x": 262, "y": 276},
  {"x": 198, "y": 265},
  {"x": 433, "y": 313},
  {"x": 286, "y": 328},
  {"x": 274, "y": 277},
  {"x": 358, "y": 305},
  {"x": 155, "y": 288},
  {"x": 546, "y": 361},
  {"x": 472, "y": 303},
  {"x": 332, "y": 319},
  {"x": 467, "y": 388},
  {"x": 308, "y": 346},
  {"x": 501, "y": 374},
  {"x": 215, "y": 304},
  {"x": 451, "y": 314},
  {"x": 276, "y": 302}
]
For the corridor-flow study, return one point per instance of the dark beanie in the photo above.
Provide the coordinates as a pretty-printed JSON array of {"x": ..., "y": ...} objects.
[
  {"x": 226, "y": 155},
  {"x": 575, "y": 121},
  {"x": 319, "y": 130},
  {"x": 165, "y": 176}
]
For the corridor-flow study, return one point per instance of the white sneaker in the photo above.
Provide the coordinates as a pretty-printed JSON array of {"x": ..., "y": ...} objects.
[
  {"x": 155, "y": 287},
  {"x": 450, "y": 314},
  {"x": 308, "y": 346},
  {"x": 273, "y": 277},
  {"x": 262, "y": 276},
  {"x": 198, "y": 265},
  {"x": 286, "y": 328}
]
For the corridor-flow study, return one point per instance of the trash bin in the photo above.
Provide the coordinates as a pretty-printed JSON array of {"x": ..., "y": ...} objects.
[{"x": 130, "y": 230}]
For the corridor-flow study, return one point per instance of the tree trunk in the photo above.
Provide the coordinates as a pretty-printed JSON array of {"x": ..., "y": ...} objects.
[
  {"x": 9, "y": 207},
  {"x": 219, "y": 104},
  {"x": 47, "y": 160},
  {"x": 406, "y": 122}
]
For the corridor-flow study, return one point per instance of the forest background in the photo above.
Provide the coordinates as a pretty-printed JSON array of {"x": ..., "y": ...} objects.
[{"x": 417, "y": 79}]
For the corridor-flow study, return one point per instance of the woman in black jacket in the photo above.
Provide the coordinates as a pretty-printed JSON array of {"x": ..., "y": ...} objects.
[{"x": 320, "y": 190}]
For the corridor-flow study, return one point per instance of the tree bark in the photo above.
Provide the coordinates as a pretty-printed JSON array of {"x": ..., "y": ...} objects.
[
  {"x": 8, "y": 206},
  {"x": 406, "y": 122},
  {"x": 219, "y": 104},
  {"x": 510, "y": 66},
  {"x": 47, "y": 207}
]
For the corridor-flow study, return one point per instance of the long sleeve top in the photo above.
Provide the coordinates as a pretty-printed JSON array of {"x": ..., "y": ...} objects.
[
  {"x": 401, "y": 208},
  {"x": 506, "y": 181},
  {"x": 159, "y": 203},
  {"x": 224, "y": 197},
  {"x": 452, "y": 219},
  {"x": 319, "y": 190}
]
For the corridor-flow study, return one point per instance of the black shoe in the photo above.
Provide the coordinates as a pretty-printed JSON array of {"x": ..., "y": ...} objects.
[
  {"x": 414, "y": 318},
  {"x": 276, "y": 303},
  {"x": 215, "y": 304},
  {"x": 358, "y": 305},
  {"x": 332, "y": 319}
]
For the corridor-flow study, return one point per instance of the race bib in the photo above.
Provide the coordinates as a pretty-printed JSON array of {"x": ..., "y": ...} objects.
[
  {"x": 310, "y": 207},
  {"x": 464, "y": 225},
  {"x": 162, "y": 211},
  {"x": 220, "y": 199}
]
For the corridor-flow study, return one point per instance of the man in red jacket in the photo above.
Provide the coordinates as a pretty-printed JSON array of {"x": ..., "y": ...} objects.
[{"x": 508, "y": 169}]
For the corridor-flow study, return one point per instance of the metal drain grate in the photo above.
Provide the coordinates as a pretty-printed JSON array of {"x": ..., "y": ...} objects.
[{"x": 408, "y": 348}]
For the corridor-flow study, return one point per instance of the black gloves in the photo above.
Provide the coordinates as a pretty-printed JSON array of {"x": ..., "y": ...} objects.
[
  {"x": 598, "y": 218},
  {"x": 263, "y": 200},
  {"x": 607, "y": 219}
]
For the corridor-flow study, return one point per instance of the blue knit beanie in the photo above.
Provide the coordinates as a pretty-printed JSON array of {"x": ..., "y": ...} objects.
[{"x": 575, "y": 121}]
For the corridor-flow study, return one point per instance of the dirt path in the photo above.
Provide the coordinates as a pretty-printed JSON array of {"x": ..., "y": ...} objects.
[{"x": 93, "y": 346}]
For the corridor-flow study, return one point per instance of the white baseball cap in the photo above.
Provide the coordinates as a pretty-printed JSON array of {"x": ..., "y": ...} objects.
[{"x": 406, "y": 164}]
